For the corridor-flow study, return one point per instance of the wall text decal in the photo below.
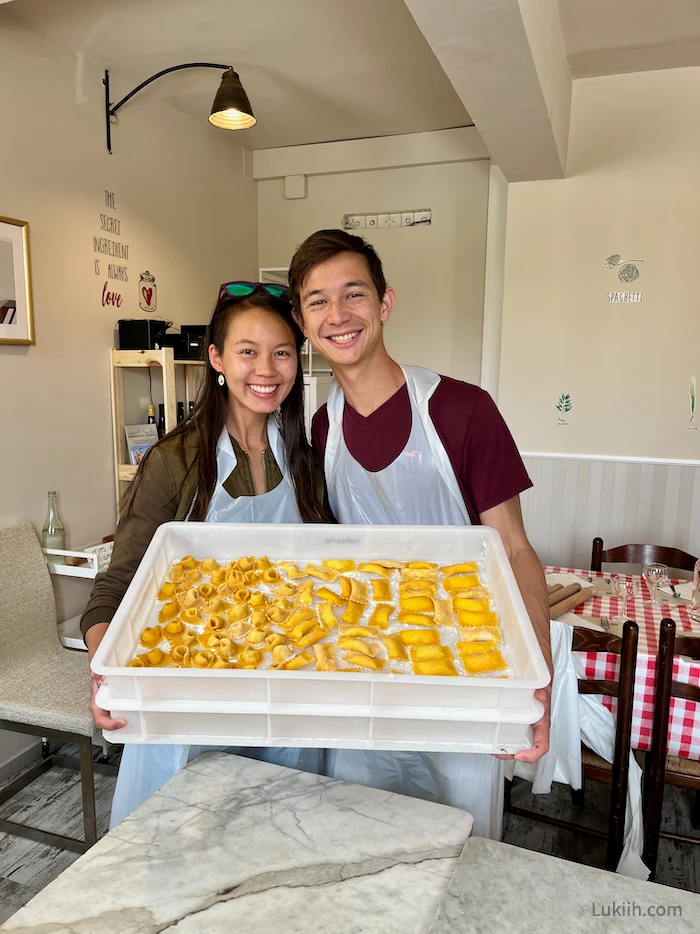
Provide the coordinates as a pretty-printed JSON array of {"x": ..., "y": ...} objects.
[{"x": 115, "y": 252}]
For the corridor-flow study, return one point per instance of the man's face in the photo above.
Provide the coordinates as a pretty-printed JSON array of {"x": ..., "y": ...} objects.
[{"x": 341, "y": 313}]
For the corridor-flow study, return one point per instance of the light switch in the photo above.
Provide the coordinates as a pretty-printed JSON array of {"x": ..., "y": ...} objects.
[
  {"x": 394, "y": 220},
  {"x": 383, "y": 220}
]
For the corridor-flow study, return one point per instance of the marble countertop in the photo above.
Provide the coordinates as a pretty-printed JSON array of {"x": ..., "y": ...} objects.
[
  {"x": 501, "y": 888},
  {"x": 233, "y": 844}
]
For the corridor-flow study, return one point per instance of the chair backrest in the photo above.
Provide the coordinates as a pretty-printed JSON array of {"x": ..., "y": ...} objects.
[
  {"x": 665, "y": 688},
  {"x": 27, "y": 606},
  {"x": 640, "y": 554},
  {"x": 669, "y": 645},
  {"x": 587, "y": 640}
]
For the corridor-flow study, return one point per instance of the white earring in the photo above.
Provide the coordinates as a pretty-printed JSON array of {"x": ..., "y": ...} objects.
[{"x": 221, "y": 379}]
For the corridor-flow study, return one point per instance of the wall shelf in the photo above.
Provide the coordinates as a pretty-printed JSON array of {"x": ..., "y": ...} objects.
[
  {"x": 89, "y": 568},
  {"x": 126, "y": 359}
]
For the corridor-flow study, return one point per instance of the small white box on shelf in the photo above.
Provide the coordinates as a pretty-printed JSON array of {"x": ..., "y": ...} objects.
[{"x": 361, "y": 710}]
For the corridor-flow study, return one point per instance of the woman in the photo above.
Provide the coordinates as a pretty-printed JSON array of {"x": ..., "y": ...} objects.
[{"x": 241, "y": 456}]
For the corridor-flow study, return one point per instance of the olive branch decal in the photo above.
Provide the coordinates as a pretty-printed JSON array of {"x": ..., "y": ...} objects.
[
  {"x": 692, "y": 400},
  {"x": 564, "y": 404}
]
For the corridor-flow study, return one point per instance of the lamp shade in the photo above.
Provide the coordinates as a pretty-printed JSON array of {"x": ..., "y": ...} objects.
[{"x": 231, "y": 109}]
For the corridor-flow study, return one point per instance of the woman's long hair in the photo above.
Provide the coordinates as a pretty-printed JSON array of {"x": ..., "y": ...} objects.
[{"x": 208, "y": 418}]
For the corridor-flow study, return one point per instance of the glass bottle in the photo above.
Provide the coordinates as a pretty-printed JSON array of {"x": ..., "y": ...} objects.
[
  {"x": 151, "y": 414},
  {"x": 53, "y": 534},
  {"x": 180, "y": 412},
  {"x": 161, "y": 420},
  {"x": 695, "y": 597},
  {"x": 191, "y": 407}
]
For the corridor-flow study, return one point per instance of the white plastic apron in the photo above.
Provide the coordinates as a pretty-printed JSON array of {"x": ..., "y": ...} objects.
[
  {"x": 144, "y": 767},
  {"x": 278, "y": 505},
  {"x": 418, "y": 488}
]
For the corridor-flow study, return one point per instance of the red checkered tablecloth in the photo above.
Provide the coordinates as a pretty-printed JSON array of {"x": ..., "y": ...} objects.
[{"x": 684, "y": 720}]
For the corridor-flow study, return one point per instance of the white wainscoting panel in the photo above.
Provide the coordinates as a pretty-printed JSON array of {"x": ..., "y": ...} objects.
[{"x": 573, "y": 500}]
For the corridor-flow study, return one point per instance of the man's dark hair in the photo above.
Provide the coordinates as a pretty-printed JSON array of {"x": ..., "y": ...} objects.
[{"x": 324, "y": 245}]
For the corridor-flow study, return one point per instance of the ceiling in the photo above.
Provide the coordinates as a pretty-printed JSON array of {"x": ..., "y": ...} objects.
[
  {"x": 609, "y": 37},
  {"x": 314, "y": 70}
]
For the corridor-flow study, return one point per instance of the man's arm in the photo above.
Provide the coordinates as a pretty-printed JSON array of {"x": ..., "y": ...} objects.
[{"x": 507, "y": 519}]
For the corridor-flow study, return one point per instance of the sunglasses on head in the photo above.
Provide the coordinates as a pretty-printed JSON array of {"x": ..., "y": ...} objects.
[{"x": 240, "y": 289}]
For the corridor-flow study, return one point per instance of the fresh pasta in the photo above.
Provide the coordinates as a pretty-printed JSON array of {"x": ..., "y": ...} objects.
[{"x": 337, "y": 615}]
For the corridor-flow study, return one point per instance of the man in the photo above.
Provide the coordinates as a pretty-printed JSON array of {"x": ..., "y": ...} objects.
[{"x": 404, "y": 446}]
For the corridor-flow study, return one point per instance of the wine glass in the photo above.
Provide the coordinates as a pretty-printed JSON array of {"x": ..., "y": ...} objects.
[
  {"x": 624, "y": 588},
  {"x": 655, "y": 575}
]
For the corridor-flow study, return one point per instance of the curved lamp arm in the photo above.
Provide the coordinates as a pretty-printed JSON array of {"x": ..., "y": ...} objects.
[{"x": 111, "y": 109}]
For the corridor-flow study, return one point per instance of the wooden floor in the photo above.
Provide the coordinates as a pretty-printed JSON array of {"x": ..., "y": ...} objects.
[{"x": 53, "y": 801}]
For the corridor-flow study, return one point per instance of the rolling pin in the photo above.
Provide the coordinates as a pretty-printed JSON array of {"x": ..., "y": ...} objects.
[
  {"x": 571, "y": 602},
  {"x": 563, "y": 593},
  {"x": 552, "y": 588}
]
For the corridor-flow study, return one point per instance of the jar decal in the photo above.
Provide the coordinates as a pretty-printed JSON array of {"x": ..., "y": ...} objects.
[{"x": 148, "y": 292}]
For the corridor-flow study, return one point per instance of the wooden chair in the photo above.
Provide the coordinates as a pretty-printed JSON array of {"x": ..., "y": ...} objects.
[
  {"x": 615, "y": 774},
  {"x": 640, "y": 554},
  {"x": 662, "y": 769},
  {"x": 44, "y": 688}
]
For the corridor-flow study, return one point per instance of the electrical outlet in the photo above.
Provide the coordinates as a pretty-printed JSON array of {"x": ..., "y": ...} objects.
[
  {"x": 358, "y": 221},
  {"x": 372, "y": 220},
  {"x": 394, "y": 220},
  {"x": 422, "y": 217},
  {"x": 383, "y": 220},
  {"x": 407, "y": 218}
]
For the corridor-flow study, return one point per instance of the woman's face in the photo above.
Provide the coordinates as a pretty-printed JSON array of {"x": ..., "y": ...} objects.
[{"x": 259, "y": 360}]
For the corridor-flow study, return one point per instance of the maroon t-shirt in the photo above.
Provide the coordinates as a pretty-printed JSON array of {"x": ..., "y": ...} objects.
[{"x": 481, "y": 450}]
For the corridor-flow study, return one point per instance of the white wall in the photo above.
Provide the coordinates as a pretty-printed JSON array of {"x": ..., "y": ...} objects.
[
  {"x": 632, "y": 190},
  {"x": 629, "y": 465},
  {"x": 437, "y": 271},
  {"x": 575, "y": 499},
  {"x": 188, "y": 214}
]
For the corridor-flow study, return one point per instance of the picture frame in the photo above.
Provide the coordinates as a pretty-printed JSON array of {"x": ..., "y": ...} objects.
[{"x": 16, "y": 311}]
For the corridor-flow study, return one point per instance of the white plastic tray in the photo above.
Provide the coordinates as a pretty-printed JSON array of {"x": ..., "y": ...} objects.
[{"x": 364, "y": 710}]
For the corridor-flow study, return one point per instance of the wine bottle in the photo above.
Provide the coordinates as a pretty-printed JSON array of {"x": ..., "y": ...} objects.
[
  {"x": 151, "y": 414},
  {"x": 180, "y": 412},
  {"x": 191, "y": 407},
  {"x": 53, "y": 534},
  {"x": 161, "y": 420}
]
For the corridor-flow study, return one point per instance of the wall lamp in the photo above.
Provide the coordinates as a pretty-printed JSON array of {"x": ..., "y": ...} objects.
[{"x": 231, "y": 109}]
